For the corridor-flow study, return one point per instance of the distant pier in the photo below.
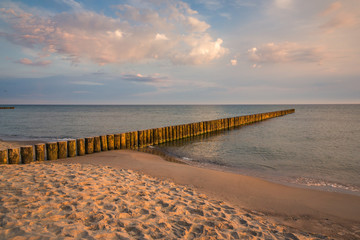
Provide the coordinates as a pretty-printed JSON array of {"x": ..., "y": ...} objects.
[{"x": 7, "y": 107}]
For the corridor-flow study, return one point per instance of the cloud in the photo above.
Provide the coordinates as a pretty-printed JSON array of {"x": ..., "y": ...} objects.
[
  {"x": 284, "y": 53},
  {"x": 139, "y": 78},
  {"x": 283, "y": 4},
  {"x": 87, "y": 83},
  {"x": 132, "y": 36},
  {"x": 233, "y": 62},
  {"x": 29, "y": 62},
  {"x": 332, "y": 8},
  {"x": 336, "y": 17}
]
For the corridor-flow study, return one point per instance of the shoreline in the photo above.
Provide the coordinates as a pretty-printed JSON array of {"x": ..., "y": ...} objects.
[
  {"x": 306, "y": 210},
  {"x": 325, "y": 187},
  {"x": 5, "y": 144}
]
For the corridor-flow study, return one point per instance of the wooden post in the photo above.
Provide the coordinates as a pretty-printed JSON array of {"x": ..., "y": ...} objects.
[
  {"x": 170, "y": 134},
  {"x": 103, "y": 140},
  {"x": 141, "y": 138},
  {"x": 117, "y": 141},
  {"x": 156, "y": 136},
  {"x": 160, "y": 135},
  {"x": 3, "y": 157},
  {"x": 80, "y": 144},
  {"x": 134, "y": 140},
  {"x": 27, "y": 155},
  {"x": 128, "y": 140},
  {"x": 62, "y": 149},
  {"x": 136, "y": 134},
  {"x": 185, "y": 131},
  {"x": 123, "y": 141},
  {"x": 97, "y": 144},
  {"x": 89, "y": 145},
  {"x": 110, "y": 141},
  {"x": 164, "y": 135},
  {"x": 151, "y": 135},
  {"x": 13, "y": 156},
  {"x": 52, "y": 151},
  {"x": 71, "y": 145},
  {"x": 206, "y": 127},
  {"x": 181, "y": 133},
  {"x": 173, "y": 129}
]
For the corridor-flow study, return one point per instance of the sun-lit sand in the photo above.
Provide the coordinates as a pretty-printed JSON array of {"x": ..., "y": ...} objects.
[
  {"x": 133, "y": 195},
  {"x": 84, "y": 201}
]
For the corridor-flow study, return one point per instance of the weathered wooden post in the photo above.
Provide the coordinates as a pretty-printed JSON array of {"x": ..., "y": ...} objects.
[
  {"x": 103, "y": 140},
  {"x": 181, "y": 133},
  {"x": 117, "y": 141},
  {"x": 226, "y": 123},
  {"x": 71, "y": 145},
  {"x": 170, "y": 132},
  {"x": 80, "y": 144},
  {"x": 232, "y": 122},
  {"x": 13, "y": 156},
  {"x": 134, "y": 140},
  {"x": 27, "y": 155},
  {"x": 110, "y": 141},
  {"x": 184, "y": 130},
  {"x": 164, "y": 135},
  {"x": 151, "y": 135},
  {"x": 123, "y": 141},
  {"x": 62, "y": 149},
  {"x": 89, "y": 145},
  {"x": 97, "y": 144},
  {"x": 160, "y": 135},
  {"x": 173, "y": 129},
  {"x": 128, "y": 140},
  {"x": 156, "y": 136},
  {"x": 141, "y": 138},
  {"x": 3, "y": 157},
  {"x": 52, "y": 151}
]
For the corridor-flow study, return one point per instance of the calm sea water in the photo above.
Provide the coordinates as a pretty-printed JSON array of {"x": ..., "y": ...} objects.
[{"x": 316, "y": 147}]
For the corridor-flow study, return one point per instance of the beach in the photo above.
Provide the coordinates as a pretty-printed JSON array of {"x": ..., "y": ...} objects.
[{"x": 134, "y": 195}]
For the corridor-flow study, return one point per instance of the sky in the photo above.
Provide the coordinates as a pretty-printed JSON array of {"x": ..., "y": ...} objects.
[{"x": 179, "y": 52}]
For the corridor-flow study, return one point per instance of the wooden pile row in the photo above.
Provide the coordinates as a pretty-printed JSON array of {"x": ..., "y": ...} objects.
[{"x": 129, "y": 140}]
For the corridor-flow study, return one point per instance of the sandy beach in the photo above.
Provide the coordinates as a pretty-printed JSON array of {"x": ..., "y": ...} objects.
[{"x": 133, "y": 195}]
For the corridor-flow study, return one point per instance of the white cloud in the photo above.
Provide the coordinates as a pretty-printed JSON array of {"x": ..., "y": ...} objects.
[
  {"x": 161, "y": 37},
  {"x": 133, "y": 36},
  {"x": 285, "y": 52},
  {"x": 233, "y": 62}
]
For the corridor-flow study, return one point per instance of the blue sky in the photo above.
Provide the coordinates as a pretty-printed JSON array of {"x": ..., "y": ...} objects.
[{"x": 179, "y": 52}]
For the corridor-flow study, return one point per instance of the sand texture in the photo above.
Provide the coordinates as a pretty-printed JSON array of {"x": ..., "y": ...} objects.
[{"x": 84, "y": 201}]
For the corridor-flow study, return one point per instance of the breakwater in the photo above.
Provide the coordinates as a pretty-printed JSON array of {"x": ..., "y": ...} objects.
[
  {"x": 7, "y": 107},
  {"x": 128, "y": 140}
]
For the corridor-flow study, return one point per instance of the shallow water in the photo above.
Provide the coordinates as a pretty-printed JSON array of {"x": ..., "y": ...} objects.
[{"x": 315, "y": 147}]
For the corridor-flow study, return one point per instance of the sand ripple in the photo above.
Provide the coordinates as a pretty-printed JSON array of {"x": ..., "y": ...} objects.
[{"x": 54, "y": 201}]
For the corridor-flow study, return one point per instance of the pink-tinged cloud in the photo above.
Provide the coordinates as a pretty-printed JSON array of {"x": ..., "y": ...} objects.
[
  {"x": 136, "y": 34},
  {"x": 337, "y": 16},
  {"x": 333, "y": 7},
  {"x": 29, "y": 62},
  {"x": 286, "y": 52}
]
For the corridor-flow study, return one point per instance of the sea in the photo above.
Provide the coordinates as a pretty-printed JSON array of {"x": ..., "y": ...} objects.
[{"x": 317, "y": 147}]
